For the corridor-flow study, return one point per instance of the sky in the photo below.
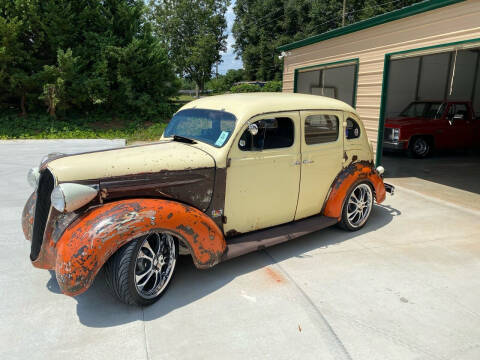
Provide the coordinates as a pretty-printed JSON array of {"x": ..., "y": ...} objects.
[{"x": 228, "y": 57}]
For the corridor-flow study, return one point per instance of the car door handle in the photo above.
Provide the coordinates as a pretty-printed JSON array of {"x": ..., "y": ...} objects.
[
  {"x": 297, "y": 162},
  {"x": 308, "y": 161}
]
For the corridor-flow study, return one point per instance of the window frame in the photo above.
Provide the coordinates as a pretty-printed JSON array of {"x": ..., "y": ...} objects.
[
  {"x": 323, "y": 113},
  {"x": 346, "y": 128},
  {"x": 267, "y": 116}
]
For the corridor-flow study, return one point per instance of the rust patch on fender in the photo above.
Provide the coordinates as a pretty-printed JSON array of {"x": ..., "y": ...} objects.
[
  {"x": 356, "y": 172},
  {"x": 88, "y": 243}
]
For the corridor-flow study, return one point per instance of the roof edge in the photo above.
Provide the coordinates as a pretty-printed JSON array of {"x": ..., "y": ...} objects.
[{"x": 407, "y": 11}]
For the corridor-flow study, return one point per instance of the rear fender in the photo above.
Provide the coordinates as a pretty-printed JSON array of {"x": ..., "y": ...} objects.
[
  {"x": 352, "y": 174},
  {"x": 91, "y": 239}
]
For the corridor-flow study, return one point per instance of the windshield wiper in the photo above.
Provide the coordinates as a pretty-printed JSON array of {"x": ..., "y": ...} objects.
[{"x": 183, "y": 139}]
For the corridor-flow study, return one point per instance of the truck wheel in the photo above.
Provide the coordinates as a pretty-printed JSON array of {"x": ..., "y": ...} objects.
[
  {"x": 357, "y": 207},
  {"x": 139, "y": 272},
  {"x": 419, "y": 148}
]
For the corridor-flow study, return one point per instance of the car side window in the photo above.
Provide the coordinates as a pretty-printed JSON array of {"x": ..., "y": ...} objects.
[
  {"x": 321, "y": 129},
  {"x": 273, "y": 133},
  {"x": 353, "y": 129}
]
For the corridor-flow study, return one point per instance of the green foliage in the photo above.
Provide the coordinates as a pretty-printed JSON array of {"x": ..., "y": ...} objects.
[
  {"x": 245, "y": 88},
  {"x": 194, "y": 31},
  {"x": 43, "y": 126},
  {"x": 223, "y": 83},
  {"x": 263, "y": 25},
  {"x": 82, "y": 56},
  {"x": 272, "y": 86}
]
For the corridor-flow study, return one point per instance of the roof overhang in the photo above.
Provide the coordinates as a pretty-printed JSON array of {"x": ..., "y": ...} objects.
[{"x": 407, "y": 11}]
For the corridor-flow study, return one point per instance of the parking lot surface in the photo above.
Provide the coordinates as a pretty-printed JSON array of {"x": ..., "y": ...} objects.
[{"x": 404, "y": 287}]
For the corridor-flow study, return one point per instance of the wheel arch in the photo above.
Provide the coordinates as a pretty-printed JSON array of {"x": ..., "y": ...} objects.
[
  {"x": 92, "y": 239},
  {"x": 362, "y": 171},
  {"x": 430, "y": 138}
]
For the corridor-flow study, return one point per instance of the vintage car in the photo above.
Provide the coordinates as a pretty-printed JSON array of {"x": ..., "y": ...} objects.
[
  {"x": 426, "y": 125},
  {"x": 231, "y": 174}
]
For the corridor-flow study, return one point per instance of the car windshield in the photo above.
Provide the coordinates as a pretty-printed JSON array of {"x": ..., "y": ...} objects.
[
  {"x": 213, "y": 127},
  {"x": 429, "y": 110}
]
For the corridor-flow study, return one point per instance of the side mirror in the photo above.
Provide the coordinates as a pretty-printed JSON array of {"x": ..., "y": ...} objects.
[{"x": 253, "y": 129}]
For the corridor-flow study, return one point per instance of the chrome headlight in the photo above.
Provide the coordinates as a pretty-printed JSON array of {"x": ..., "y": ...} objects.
[
  {"x": 49, "y": 157},
  {"x": 395, "y": 134},
  {"x": 32, "y": 177},
  {"x": 58, "y": 199},
  {"x": 70, "y": 197}
]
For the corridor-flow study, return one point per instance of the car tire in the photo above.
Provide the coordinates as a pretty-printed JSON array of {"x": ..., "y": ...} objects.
[
  {"x": 357, "y": 207},
  {"x": 419, "y": 148},
  {"x": 140, "y": 272}
]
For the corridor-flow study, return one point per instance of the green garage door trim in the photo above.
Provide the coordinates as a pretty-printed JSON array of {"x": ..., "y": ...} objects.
[
  {"x": 407, "y": 11},
  {"x": 354, "y": 61},
  {"x": 386, "y": 72}
]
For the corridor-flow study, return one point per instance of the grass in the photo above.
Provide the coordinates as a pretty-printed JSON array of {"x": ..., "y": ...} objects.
[{"x": 41, "y": 126}]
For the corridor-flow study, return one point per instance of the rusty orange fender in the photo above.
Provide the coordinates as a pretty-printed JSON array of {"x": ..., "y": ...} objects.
[
  {"x": 91, "y": 239},
  {"x": 354, "y": 173}
]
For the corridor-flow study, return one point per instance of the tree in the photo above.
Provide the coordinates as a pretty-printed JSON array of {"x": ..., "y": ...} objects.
[
  {"x": 194, "y": 33},
  {"x": 261, "y": 26},
  {"x": 83, "y": 55}
]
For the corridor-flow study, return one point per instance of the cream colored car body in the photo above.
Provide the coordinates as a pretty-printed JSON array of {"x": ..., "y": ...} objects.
[{"x": 270, "y": 187}]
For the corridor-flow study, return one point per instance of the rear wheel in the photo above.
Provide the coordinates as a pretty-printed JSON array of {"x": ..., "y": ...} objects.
[
  {"x": 419, "y": 148},
  {"x": 357, "y": 207},
  {"x": 139, "y": 272}
]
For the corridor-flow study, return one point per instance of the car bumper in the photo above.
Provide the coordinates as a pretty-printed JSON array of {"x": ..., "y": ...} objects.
[
  {"x": 394, "y": 145},
  {"x": 389, "y": 188}
]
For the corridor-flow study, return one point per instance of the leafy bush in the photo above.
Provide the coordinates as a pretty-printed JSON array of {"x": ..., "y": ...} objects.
[
  {"x": 272, "y": 86},
  {"x": 245, "y": 88}
]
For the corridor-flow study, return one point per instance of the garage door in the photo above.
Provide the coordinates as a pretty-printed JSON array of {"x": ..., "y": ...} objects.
[
  {"x": 431, "y": 135},
  {"x": 333, "y": 80}
]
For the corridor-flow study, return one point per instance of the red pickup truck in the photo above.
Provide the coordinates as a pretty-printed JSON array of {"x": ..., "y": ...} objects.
[{"x": 425, "y": 125}]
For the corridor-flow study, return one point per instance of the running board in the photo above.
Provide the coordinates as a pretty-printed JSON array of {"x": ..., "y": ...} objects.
[{"x": 257, "y": 240}]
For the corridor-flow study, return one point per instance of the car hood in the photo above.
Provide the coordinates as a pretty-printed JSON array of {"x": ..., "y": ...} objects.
[
  {"x": 130, "y": 161},
  {"x": 402, "y": 121},
  {"x": 169, "y": 170}
]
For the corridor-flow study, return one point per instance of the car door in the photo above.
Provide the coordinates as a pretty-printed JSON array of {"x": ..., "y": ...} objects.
[
  {"x": 322, "y": 154},
  {"x": 460, "y": 128},
  {"x": 263, "y": 174}
]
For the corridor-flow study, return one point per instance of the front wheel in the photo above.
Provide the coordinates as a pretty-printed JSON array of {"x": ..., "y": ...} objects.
[
  {"x": 139, "y": 272},
  {"x": 419, "y": 148},
  {"x": 357, "y": 207}
]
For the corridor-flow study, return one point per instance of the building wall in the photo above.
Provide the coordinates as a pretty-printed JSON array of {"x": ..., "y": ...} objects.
[{"x": 452, "y": 23}]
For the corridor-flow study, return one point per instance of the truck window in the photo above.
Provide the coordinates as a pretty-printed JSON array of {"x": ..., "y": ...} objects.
[
  {"x": 458, "y": 109},
  {"x": 273, "y": 133}
]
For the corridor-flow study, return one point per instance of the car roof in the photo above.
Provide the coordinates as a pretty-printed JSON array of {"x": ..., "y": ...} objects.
[{"x": 246, "y": 105}]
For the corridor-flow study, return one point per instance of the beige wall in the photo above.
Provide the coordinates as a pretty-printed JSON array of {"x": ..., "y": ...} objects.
[{"x": 445, "y": 25}]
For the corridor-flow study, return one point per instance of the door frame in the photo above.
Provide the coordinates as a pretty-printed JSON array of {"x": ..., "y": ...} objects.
[{"x": 385, "y": 83}]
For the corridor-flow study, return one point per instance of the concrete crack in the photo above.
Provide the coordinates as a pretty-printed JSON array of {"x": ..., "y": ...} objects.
[
  {"x": 338, "y": 348},
  {"x": 145, "y": 334}
]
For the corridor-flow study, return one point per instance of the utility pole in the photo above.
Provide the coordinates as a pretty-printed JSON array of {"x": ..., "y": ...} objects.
[{"x": 343, "y": 12}]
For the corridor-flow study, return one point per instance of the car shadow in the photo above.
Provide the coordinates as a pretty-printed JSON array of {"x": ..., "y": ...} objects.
[{"x": 98, "y": 308}]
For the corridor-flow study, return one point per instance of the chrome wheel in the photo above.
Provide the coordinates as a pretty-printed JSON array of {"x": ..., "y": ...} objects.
[
  {"x": 155, "y": 264},
  {"x": 359, "y": 205}
]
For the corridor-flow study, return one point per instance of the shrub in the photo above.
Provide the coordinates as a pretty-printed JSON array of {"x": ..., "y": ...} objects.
[
  {"x": 272, "y": 86},
  {"x": 245, "y": 88}
]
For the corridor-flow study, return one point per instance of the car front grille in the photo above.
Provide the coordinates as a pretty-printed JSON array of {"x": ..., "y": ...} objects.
[
  {"x": 388, "y": 134},
  {"x": 42, "y": 208}
]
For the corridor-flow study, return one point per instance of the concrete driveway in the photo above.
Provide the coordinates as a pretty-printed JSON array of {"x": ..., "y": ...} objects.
[{"x": 404, "y": 287}]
